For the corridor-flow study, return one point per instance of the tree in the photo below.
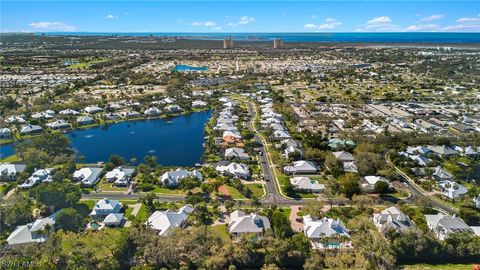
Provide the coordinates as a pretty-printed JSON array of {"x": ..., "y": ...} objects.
[
  {"x": 314, "y": 209},
  {"x": 381, "y": 187},
  {"x": 364, "y": 147},
  {"x": 68, "y": 219},
  {"x": 368, "y": 163},
  {"x": 349, "y": 185},
  {"x": 470, "y": 215},
  {"x": 281, "y": 225},
  {"x": 116, "y": 160},
  {"x": 333, "y": 164},
  {"x": 14, "y": 211},
  {"x": 151, "y": 161},
  {"x": 256, "y": 202},
  {"x": 57, "y": 194}
]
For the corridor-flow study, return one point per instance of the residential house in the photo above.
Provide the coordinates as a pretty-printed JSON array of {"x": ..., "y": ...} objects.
[
  {"x": 241, "y": 224},
  {"x": 69, "y": 112},
  {"x": 58, "y": 124},
  {"x": 130, "y": 114},
  {"x": 5, "y": 133},
  {"x": 199, "y": 104},
  {"x": 443, "y": 150},
  {"x": 93, "y": 109},
  {"x": 350, "y": 166},
  {"x": 343, "y": 156},
  {"x": 441, "y": 174},
  {"x": 451, "y": 189},
  {"x": 114, "y": 219},
  {"x": 234, "y": 169},
  {"x": 291, "y": 150},
  {"x": 326, "y": 233},
  {"x": 392, "y": 218},
  {"x": 105, "y": 207},
  {"x": 444, "y": 225},
  {"x": 34, "y": 232},
  {"x": 85, "y": 120},
  {"x": 15, "y": 119},
  {"x": 476, "y": 201},
  {"x": 9, "y": 171},
  {"x": 371, "y": 180},
  {"x": 173, "y": 178},
  {"x": 31, "y": 129},
  {"x": 236, "y": 153},
  {"x": 39, "y": 176},
  {"x": 231, "y": 137},
  {"x": 152, "y": 111},
  {"x": 301, "y": 167},
  {"x": 173, "y": 108},
  {"x": 120, "y": 176},
  {"x": 88, "y": 176},
  {"x": 165, "y": 221},
  {"x": 306, "y": 184},
  {"x": 281, "y": 135}
]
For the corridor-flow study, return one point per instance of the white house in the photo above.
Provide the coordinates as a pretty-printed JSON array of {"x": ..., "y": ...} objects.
[
  {"x": 391, "y": 218},
  {"x": 5, "y": 133},
  {"x": 371, "y": 180},
  {"x": 104, "y": 207},
  {"x": 316, "y": 230},
  {"x": 173, "y": 108},
  {"x": 30, "y": 129},
  {"x": 343, "y": 156},
  {"x": 452, "y": 189},
  {"x": 93, "y": 109},
  {"x": 198, "y": 104},
  {"x": 164, "y": 221},
  {"x": 8, "y": 171},
  {"x": 32, "y": 232},
  {"x": 443, "y": 225},
  {"x": 120, "y": 176},
  {"x": 442, "y": 150},
  {"x": 88, "y": 176},
  {"x": 85, "y": 120},
  {"x": 58, "y": 124},
  {"x": 241, "y": 223},
  {"x": 301, "y": 167},
  {"x": 305, "y": 183},
  {"x": 114, "y": 219},
  {"x": 69, "y": 112},
  {"x": 152, "y": 111},
  {"x": 441, "y": 174},
  {"x": 476, "y": 201},
  {"x": 39, "y": 176},
  {"x": 173, "y": 178},
  {"x": 234, "y": 169},
  {"x": 235, "y": 152}
]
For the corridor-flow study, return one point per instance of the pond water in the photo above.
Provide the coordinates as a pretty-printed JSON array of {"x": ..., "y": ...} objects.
[
  {"x": 189, "y": 68},
  {"x": 175, "y": 141}
]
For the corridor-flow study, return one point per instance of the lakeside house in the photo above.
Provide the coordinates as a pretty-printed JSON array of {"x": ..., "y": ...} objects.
[
  {"x": 238, "y": 170},
  {"x": 15, "y": 119},
  {"x": 173, "y": 178},
  {"x": 5, "y": 133},
  {"x": 69, "y": 112},
  {"x": 34, "y": 232},
  {"x": 30, "y": 129},
  {"x": 173, "y": 108},
  {"x": 303, "y": 183},
  {"x": 9, "y": 171},
  {"x": 326, "y": 233},
  {"x": 88, "y": 176},
  {"x": 119, "y": 176},
  {"x": 85, "y": 120},
  {"x": 39, "y": 176},
  {"x": 392, "y": 218},
  {"x": 58, "y": 124},
  {"x": 165, "y": 221},
  {"x": 236, "y": 153},
  {"x": 241, "y": 224},
  {"x": 199, "y": 104},
  {"x": 301, "y": 167},
  {"x": 444, "y": 225},
  {"x": 105, "y": 207},
  {"x": 131, "y": 114},
  {"x": 93, "y": 109},
  {"x": 152, "y": 111}
]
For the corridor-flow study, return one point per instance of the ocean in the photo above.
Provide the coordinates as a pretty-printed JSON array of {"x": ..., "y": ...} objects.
[{"x": 430, "y": 38}]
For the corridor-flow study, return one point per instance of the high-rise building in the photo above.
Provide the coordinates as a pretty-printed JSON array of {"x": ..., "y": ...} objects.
[
  {"x": 227, "y": 43},
  {"x": 277, "y": 43}
]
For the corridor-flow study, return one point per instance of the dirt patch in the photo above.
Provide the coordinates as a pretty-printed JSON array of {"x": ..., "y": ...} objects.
[{"x": 224, "y": 190}]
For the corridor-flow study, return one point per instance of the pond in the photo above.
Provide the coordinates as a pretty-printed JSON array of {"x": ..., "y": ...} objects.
[
  {"x": 189, "y": 68},
  {"x": 175, "y": 141}
]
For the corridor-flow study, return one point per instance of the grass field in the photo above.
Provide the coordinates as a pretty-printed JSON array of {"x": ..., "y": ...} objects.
[
  {"x": 257, "y": 191},
  {"x": 438, "y": 267},
  {"x": 221, "y": 231},
  {"x": 12, "y": 158}
]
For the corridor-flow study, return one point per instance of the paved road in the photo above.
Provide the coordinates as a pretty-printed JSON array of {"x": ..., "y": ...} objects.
[{"x": 418, "y": 192}]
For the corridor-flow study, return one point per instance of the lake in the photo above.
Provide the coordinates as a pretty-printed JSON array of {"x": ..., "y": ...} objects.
[{"x": 175, "y": 141}]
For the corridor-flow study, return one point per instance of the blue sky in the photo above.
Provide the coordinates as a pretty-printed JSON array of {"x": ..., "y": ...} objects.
[{"x": 239, "y": 16}]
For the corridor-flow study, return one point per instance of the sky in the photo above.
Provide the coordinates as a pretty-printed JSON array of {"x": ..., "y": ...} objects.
[{"x": 239, "y": 16}]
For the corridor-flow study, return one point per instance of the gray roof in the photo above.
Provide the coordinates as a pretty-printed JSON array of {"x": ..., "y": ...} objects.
[{"x": 252, "y": 223}]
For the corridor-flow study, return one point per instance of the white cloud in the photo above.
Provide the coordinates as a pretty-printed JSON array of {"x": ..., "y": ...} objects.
[
  {"x": 432, "y": 18},
  {"x": 216, "y": 28},
  {"x": 53, "y": 26},
  {"x": 242, "y": 21},
  {"x": 422, "y": 27},
  {"x": 329, "y": 24},
  {"x": 381, "y": 24},
  {"x": 111, "y": 17},
  {"x": 467, "y": 20},
  {"x": 379, "y": 21},
  {"x": 205, "y": 24}
]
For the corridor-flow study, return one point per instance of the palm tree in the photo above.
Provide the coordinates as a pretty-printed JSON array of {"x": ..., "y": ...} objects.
[{"x": 256, "y": 202}]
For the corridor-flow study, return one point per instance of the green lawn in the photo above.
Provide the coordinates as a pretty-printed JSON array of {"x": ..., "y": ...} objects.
[
  {"x": 105, "y": 186},
  {"x": 142, "y": 213},
  {"x": 257, "y": 191},
  {"x": 12, "y": 158},
  {"x": 221, "y": 231},
  {"x": 438, "y": 267}
]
